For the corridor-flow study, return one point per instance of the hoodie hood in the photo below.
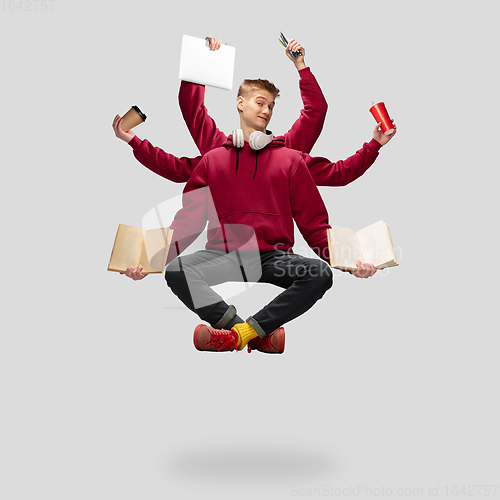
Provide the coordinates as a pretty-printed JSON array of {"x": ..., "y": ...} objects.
[{"x": 277, "y": 142}]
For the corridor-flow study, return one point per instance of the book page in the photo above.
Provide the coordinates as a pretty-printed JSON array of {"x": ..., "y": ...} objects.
[
  {"x": 154, "y": 254},
  {"x": 377, "y": 245},
  {"x": 346, "y": 248},
  {"x": 395, "y": 263},
  {"x": 127, "y": 248}
]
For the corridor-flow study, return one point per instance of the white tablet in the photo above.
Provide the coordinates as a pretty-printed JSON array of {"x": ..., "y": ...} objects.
[{"x": 199, "y": 64}]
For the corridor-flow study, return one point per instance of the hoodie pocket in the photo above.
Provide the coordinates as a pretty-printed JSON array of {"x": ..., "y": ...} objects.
[{"x": 237, "y": 228}]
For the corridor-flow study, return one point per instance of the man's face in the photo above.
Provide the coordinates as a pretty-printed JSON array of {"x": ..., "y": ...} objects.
[{"x": 256, "y": 109}]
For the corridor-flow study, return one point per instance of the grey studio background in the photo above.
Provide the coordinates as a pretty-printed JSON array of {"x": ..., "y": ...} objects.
[{"x": 390, "y": 382}]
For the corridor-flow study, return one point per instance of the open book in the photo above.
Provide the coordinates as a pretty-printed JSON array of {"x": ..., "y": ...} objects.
[
  {"x": 371, "y": 245},
  {"x": 134, "y": 246}
]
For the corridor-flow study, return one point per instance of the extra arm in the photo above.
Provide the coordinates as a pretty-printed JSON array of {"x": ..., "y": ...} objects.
[
  {"x": 311, "y": 217},
  {"x": 201, "y": 125},
  {"x": 164, "y": 164},
  {"x": 340, "y": 173},
  {"x": 309, "y": 211},
  {"x": 191, "y": 219},
  {"x": 307, "y": 128}
]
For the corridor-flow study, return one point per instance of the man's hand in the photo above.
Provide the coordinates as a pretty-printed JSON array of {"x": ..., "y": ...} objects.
[
  {"x": 364, "y": 270},
  {"x": 296, "y": 47},
  {"x": 124, "y": 136},
  {"x": 379, "y": 136},
  {"x": 215, "y": 43},
  {"x": 135, "y": 272}
]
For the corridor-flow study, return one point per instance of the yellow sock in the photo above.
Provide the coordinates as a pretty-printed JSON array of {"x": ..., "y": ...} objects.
[{"x": 245, "y": 334}]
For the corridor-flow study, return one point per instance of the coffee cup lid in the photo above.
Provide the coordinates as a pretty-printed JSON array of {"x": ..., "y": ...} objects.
[{"x": 141, "y": 114}]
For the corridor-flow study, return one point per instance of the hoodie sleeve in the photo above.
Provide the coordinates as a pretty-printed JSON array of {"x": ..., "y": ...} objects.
[
  {"x": 169, "y": 166},
  {"x": 307, "y": 128},
  {"x": 340, "y": 173},
  {"x": 201, "y": 125},
  {"x": 191, "y": 219},
  {"x": 309, "y": 211}
]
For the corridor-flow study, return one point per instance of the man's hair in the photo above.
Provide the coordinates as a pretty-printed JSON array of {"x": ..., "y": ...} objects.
[{"x": 249, "y": 85}]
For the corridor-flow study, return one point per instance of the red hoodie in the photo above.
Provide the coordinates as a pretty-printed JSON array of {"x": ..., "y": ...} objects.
[
  {"x": 266, "y": 190},
  {"x": 302, "y": 136}
]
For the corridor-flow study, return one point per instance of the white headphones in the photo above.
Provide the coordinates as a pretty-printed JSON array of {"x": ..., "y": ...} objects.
[{"x": 258, "y": 140}]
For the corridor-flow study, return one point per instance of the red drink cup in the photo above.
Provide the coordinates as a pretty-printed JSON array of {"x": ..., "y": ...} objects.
[{"x": 381, "y": 116}]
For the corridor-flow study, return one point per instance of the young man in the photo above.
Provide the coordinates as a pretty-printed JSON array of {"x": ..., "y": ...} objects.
[{"x": 265, "y": 190}]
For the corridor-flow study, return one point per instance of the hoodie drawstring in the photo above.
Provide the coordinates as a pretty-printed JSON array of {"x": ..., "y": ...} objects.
[{"x": 256, "y": 161}]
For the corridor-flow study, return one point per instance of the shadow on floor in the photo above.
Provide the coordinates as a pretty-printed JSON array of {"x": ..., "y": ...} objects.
[{"x": 269, "y": 463}]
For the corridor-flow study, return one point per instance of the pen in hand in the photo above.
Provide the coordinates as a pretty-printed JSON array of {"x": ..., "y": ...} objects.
[{"x": 284, "y": 42}]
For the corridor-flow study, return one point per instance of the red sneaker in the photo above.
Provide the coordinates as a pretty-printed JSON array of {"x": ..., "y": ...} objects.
[
  {"x": 207, "y": 338},
  {"x": 273, "y": 343}
]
